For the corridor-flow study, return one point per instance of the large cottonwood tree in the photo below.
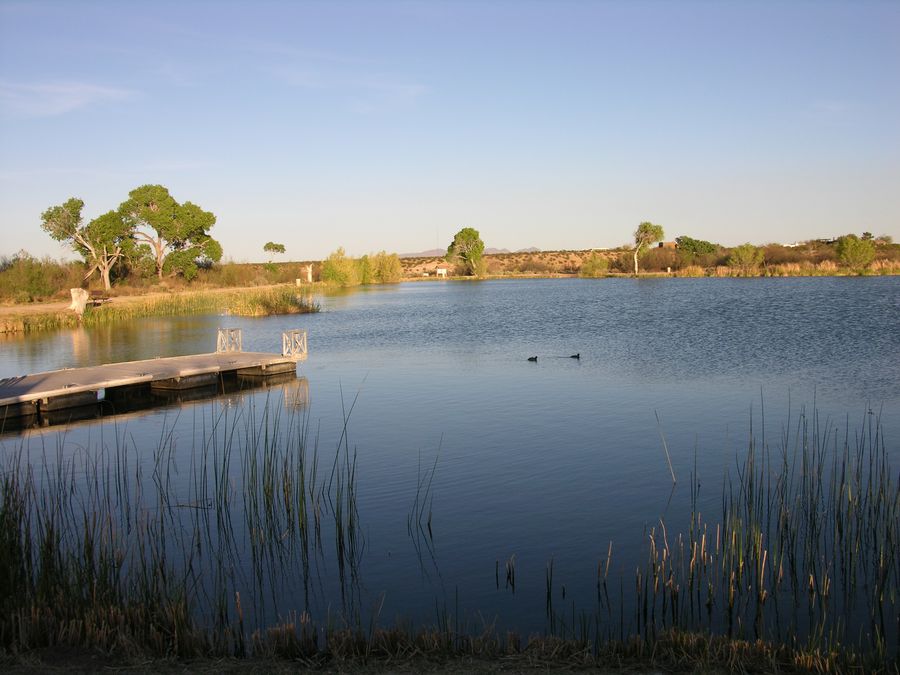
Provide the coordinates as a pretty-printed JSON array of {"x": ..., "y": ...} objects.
[
  {"x": 177, "y": 235},
  {"x": 101, "y": 242},
  {"x": 468, "y": 250}
]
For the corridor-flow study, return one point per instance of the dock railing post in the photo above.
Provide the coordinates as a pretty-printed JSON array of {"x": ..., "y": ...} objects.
[
  {"x": 229, "y": 340},
  {"x": 293, "y": 344}
]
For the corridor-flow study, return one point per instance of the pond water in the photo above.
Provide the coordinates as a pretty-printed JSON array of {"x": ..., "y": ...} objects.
[{"x": 471, "y": 460}]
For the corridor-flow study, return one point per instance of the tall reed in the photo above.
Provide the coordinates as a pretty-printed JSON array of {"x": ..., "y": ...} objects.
[{"x": 247, "y": 302}]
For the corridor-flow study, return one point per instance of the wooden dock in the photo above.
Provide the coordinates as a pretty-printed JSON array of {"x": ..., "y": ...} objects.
[{"x": 74, "y": 387}]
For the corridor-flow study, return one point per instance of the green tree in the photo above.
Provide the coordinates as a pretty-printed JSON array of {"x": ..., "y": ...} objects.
[
  {"x": 695, "y": 247},
  {"x": 102, "y": 242},
  {"x": 646, "y": 234},
  {"x": 365, "y": 273},
  {"x": 340, "y": 269},
  {"x": 467, "y": 249},
  {"x": 746, "y": 258},
  {"x": 387, "y": 267},
  {"x": 854, "y": 252},
  {"x": 177, "y": 234},
  {"x": 271, "y": 247},
  {"x": 594, "y": 265}
]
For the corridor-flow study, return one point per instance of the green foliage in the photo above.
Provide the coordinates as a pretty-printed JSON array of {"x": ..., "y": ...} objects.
[
  {"x": 695, "y": 247},
  {"x": 387, "y": 267},
  {"x": 595, "y": 265},
  {"x": 379, "y": 268},
  {"x": 272, "y": 247},
  {"x": 364, "y": 272},
  {"x": 746, "y": 258},
  {"x": 467, "y": 250},
  {"x": 24, "y": 278},
  {"x": 646, "y": 234},
  {"x": 696, "y": 252},
  {"x": 176, "y": 234},
  {"x": 340, "y": 269},
  {"x": 855, "y": 253},
  {"x": 101, "y": 243}
]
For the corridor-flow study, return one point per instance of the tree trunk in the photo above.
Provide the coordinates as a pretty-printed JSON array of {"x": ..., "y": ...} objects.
[
  {"x": 636, "y": 251},
  {"x": 104, "y": 272}
]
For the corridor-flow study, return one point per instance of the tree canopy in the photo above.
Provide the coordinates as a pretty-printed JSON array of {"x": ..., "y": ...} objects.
[
  {"x": 646, "y": 234},
  {"x": 467, "y": 249},
  {"x": 101, "y": 242},
  {"x": 695, "y": 247},
  {"x": 272, "y": 247},
  {"x": 854, "y": 252},
  {"x": 177, "y": 234}
]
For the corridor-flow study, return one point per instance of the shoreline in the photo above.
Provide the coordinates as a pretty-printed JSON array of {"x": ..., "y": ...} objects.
[{"x": 16, "y": 319}]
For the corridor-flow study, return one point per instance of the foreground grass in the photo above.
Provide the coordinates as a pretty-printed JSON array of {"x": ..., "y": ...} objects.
[
  {"x": 398, "y": 651},
  {"x": 246, "y": 302},
  {"x": 798, "y": 574}
]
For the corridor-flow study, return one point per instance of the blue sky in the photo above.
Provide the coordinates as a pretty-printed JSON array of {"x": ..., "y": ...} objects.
[{"x": 390, "y": 125}]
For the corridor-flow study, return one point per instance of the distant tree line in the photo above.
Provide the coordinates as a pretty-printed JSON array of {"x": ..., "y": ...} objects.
[{"x": 852, "y": 253}]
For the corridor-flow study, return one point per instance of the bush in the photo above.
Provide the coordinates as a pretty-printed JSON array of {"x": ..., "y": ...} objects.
[
  {"x": 624, "y": 262},
  {"x": 364, "y": 272},
  {"x": 533, "y": 266},
  {"x": 387, "y": 267},
  {"x": 745, "y": 258},
  {"x": 340, "y": 269},
  {"x": 658, "y": 259},
  {"x": 594, "y": 266},
  {"x": 776, "y": 254},
  {"x": 854, "y": 252},
  {"x": 24, "y": 278}
]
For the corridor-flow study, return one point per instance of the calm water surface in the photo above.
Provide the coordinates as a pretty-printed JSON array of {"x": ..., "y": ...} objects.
[{"x": 546, "y": 460}]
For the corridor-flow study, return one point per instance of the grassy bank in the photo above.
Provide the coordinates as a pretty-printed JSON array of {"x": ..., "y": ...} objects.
[
  {"x": 245, "y": 302},
  {"x": 799, "y": 572}
]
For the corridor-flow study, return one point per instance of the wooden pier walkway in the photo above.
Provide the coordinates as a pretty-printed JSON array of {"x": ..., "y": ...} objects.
[{"x": 73, "y": 387}]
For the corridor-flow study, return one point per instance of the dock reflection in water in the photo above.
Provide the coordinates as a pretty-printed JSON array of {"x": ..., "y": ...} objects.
[{"x": 229, "y": 389}]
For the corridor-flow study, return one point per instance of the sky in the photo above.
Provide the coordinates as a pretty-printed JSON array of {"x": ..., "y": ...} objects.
[{"x": 391, "y": 125}]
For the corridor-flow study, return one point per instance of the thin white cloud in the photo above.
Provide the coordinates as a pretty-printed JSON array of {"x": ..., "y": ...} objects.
[
  {"x": 151, "y": 168},
  {"x": 834, "y": 109},
  {"x": 50, "y": 99},
  {"x": 365, "y": 94}
]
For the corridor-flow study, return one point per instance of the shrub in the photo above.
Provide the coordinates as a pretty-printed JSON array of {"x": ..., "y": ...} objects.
[
  {"x": 24, "y": 278},
  {"x": 387, "y": 267},
  {"x": 533, "y": 266},
  {"x": 745, "y": 258},
  {"x": 594, "y": 266},
  {"x": 854, "y": 252},
  {"x": 364, "y": 272},
  {"x": 658, "y": 259},
  {"x": 776, "y": 254},
  {"x": 340, "y": 269}
]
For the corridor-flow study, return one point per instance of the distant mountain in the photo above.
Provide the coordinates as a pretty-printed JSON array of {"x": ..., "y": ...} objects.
[
  {"x": 433, "y": 253},
  {"x": 441, "y": 252}
]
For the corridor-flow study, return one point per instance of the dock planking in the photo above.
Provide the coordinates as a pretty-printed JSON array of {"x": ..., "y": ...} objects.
[{"x": 73, "y": 387}]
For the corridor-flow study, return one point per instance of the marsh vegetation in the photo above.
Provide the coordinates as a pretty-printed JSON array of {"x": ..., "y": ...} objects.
[{"x": 128, "y": 550}]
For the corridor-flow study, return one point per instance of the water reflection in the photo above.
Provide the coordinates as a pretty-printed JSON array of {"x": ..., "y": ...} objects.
[{"x": 132, "y": 401}]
